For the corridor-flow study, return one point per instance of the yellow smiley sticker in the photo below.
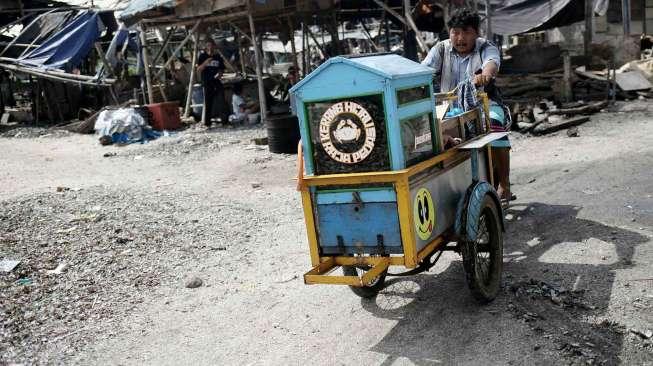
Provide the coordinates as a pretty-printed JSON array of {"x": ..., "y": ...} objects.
[{"x": 424, "y": 214}]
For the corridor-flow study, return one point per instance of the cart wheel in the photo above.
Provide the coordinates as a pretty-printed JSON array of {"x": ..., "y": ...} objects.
[
  {"x": 483, "y": 258},
  {"x": 367, "y": 291}
]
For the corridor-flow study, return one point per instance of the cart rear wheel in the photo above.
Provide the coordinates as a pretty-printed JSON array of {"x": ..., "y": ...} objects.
[
  {"x": 366, "y": 291},
  {"x": 483, "y": 257}
]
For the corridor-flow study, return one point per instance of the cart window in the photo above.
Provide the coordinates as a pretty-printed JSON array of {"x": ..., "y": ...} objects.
[
  {"x": 405, "y": 96},
  {"x": 417, "y": 139}
]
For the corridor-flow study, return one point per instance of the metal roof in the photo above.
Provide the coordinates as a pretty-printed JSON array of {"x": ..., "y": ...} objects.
[{"x": 390, "y": 66}]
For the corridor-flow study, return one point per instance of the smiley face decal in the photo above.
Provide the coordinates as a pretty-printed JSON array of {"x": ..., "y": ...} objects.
[{"x": 424, "y": 214}]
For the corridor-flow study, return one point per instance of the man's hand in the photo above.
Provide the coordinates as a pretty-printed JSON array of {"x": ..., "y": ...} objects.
[{"x": 482, "y": 80}]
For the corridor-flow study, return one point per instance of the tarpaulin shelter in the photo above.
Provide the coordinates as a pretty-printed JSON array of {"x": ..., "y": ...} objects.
[{"x": 66, "y": 49}]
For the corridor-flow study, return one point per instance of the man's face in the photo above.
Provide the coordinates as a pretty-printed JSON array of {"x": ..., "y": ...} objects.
[
  {"x": 463, "y": 39},
  {"x": 210, "y": 47}
]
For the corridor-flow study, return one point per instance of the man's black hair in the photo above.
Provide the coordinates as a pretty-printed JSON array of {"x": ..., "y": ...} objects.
[{"x": 463, "y": 18}]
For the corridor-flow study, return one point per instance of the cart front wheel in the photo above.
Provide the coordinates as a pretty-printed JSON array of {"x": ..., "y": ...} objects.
[
  {"x": 483, "y": 257},
  {"x": 366, "y": 291}
]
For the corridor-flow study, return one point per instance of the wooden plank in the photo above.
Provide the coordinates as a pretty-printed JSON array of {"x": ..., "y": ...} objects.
[
  {"x": 632, "y": 80},
  {"x": 475, "y": 144},
  {"x": 546, "y": 128}
]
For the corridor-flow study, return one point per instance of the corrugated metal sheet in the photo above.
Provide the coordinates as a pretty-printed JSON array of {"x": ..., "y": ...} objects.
[
  {"x": 99, "y": 4},
  {"x": 136, "y": 7}
]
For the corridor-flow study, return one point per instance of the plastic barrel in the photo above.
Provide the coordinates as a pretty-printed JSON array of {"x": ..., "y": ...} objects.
[{"x": 283, "y": 133}]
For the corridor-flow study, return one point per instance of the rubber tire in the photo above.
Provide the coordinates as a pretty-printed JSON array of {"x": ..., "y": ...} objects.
[
  {"x": 366, "y": 292},
  {"x": 485, "y": 292}
]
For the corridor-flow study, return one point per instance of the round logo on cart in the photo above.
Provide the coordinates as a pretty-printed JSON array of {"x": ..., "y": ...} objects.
[
  {"x": 347, "y": 132},
  {"x": 424, "y": 214}
]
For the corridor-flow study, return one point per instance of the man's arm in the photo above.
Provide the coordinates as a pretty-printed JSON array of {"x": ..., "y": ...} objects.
[
  {"x": 202, "y": 62},
  {"x": 491, "y": 61}
]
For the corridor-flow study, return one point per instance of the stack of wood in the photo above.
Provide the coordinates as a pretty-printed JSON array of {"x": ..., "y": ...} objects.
[{"x": 547, "y": 117}]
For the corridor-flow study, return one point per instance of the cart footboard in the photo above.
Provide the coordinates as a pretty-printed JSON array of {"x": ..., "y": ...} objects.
[{"x": 321, "y": 274}]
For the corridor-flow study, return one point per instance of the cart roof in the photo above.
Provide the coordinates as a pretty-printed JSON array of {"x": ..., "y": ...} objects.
[{"x": 389, "y": 66}]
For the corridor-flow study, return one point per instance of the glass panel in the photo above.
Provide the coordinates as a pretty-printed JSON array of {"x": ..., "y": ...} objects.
[
  {"x": 413, "y": 94},
  {"x": 417, "y": 139}
]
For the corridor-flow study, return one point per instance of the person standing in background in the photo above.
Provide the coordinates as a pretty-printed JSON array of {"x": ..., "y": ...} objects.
[{"x": 210, "y": 66}]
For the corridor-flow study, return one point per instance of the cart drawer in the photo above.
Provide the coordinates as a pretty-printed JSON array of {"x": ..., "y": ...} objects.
[{"x": 365, "y": 222}]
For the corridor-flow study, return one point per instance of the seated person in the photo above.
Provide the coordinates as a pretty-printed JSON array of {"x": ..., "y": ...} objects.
[{"x": 242, "y": 110}]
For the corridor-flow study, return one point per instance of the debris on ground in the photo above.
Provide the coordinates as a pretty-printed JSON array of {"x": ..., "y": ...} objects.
[
  {"x": 194, "y": 282},
  {"x": 8, "y": 265},
  {"x": 77, "y": 272},
  {"x": 556, "y": 294},
  {"x": 644, "y": 334}
]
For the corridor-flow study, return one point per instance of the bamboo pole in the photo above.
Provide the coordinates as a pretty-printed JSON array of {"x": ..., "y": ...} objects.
[
  {"x": 257, "y": 56},
  {"x": 163, "y": 47},
  {"x": 191, "y": 82},
  {"x": 292, "y": 45},
  {"x": 181, "y": 45},
  {"x": 241, "y": 54},
  {"x": 146, "y": 63},
  {"x": 28, "y": 26},
  {"x": 408, "y": 21},
  {"x": 587, "y": 40},
  {"x": 104, "y": 60},
  {"x": 369, "y": 36},
  {"x": 413, "y": 26},
  {"x": 52, "y": 76},
  {"x": 488, "y": 19},
  {"x": 319, "y": 46}
]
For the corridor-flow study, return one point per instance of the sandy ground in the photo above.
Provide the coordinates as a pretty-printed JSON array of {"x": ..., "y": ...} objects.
[{"x": 581, "y": 229}]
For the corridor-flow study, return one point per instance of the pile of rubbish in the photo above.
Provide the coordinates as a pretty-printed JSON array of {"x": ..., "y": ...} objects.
[{"x": 124, "y": 126}]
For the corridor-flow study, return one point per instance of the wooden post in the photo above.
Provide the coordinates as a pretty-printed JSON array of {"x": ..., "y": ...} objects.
[
  {"x": 319, "y": 46},
  {"x": 643, "y": 2},
  {"x": 413, "y": 26},
  {"x": 103, "y": 58},
  {"x": 567, "y": 91},
  {"x": 625, "y": 17},
  {"x": 369, "y": 36},
  {"x": 335, "y": 38},
  {"x": 304, "y": 50},
  {"x": 191, "y": 82},
  {"x": 258, "y": 57},
  {"x": 386, "y": 25},
  {"x": 291, "y": 30},
  {"x": 488, "y": 20},
  {"x": 181, "y": 45},
  {"x": 241, "y": 54},
  {"x": 408, "y": 21},
  {"x": 146, "y": 64},
  {"x": 589, "y": 12},
  {"x": 164, "y": 46}
]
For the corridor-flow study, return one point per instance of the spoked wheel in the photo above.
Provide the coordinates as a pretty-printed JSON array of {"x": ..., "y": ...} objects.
[
  {"x": 483, "y": 257},
  {"x": 366, "y": 291}
]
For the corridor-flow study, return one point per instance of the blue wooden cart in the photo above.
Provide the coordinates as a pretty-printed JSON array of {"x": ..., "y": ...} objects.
[{"x": 379, "y": 185}]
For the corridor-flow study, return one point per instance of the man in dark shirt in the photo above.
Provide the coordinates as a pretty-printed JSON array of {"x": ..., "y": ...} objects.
[{"x": 211, "y": 66}]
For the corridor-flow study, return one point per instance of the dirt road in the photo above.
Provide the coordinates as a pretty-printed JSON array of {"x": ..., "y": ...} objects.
[{"x": 134, "y": 227}]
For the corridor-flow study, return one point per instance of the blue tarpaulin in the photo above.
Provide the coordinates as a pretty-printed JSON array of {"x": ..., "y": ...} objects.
[{"x": 66, "y": 49}]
